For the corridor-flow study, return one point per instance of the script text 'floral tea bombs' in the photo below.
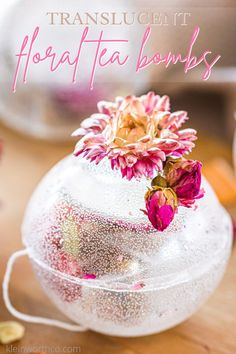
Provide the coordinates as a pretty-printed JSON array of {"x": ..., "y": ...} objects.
[{"x": 103, "y": 57}]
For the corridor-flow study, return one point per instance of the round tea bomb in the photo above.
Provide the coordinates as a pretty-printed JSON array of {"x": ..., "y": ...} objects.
[{"x": 105, "y": 266}]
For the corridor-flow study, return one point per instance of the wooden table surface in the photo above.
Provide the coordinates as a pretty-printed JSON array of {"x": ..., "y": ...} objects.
[{"x": 210, "y": 330}]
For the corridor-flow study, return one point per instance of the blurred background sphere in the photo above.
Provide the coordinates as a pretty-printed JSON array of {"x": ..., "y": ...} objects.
[{"x": 49, "y": 105}]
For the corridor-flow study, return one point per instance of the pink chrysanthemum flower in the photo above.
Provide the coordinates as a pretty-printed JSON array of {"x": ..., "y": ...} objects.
[{"x": 136, "y": 134}]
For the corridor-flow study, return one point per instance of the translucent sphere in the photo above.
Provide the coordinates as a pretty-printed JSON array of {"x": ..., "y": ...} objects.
[{"x": 102, "y": 263}]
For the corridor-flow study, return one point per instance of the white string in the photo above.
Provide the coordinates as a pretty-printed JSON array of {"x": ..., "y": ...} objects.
[{"x": 25, "y": 317}]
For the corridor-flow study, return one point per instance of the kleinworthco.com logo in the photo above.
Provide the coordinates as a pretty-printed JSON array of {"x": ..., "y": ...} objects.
[{"x": 41, "y": 349}]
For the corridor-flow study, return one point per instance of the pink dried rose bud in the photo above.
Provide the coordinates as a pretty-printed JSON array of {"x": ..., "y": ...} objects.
[
  {"x": 184, "y": 177},
  {"x": 161, "y": 206},
  {"x": 138, "y": 286},
  {"x": 89, "y": 276}
]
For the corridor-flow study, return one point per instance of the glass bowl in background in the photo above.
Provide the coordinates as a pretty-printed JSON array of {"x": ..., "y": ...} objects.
[{"x": 48, "y": 106}]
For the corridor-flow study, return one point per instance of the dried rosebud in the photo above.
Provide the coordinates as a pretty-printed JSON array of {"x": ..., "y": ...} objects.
[
  {"x": 161, "y": 206},
  {"x": 138, "y": 286},
  {"x": 184, "y": 177},
  {"x": 11, "y": 331},
  {"x": 89, "y": 276}
]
